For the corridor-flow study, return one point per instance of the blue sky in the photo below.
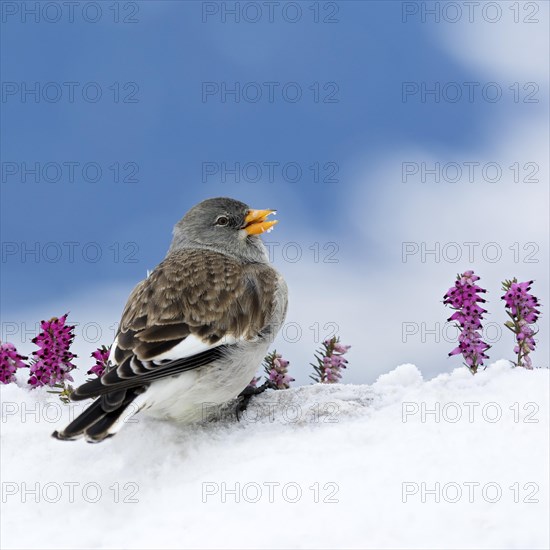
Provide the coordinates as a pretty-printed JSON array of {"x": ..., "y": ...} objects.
[{"x": 162, "y": 139}]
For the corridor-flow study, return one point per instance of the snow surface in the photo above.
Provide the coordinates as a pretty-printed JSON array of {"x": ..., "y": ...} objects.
[{"x": 351, "y": 440}]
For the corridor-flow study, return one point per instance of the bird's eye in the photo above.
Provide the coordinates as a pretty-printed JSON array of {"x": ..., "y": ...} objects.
[{"x": 222, "y": 220}]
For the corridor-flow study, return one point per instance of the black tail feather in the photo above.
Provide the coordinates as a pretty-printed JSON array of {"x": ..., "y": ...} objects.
[
  {"x": 76, "y": 428},
  {"x": 100, "y": 429},
  {"x": 94, "y": 423}
]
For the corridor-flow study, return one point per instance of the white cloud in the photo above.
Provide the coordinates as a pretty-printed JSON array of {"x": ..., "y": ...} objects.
[
  {"x": 502, "y": 212},
  {"x": 515, "y": 46}
]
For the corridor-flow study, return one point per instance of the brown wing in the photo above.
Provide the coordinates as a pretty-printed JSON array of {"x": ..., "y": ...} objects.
[
  {"x": 197, "y": 292},
  {"x": 192, "y": 292}
]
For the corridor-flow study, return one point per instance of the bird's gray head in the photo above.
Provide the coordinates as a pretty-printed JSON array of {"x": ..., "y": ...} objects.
[{"x": 224, "y": 225}]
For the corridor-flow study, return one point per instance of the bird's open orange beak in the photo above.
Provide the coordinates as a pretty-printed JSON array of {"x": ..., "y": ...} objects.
[{"x": 255, "y": 222}]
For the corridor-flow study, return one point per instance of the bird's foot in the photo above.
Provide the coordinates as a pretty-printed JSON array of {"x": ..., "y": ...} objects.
[{"x": 243, "y": 399}]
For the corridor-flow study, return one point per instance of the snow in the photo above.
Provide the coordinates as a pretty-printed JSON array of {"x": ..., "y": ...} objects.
[{"x": 364, "y": 451}]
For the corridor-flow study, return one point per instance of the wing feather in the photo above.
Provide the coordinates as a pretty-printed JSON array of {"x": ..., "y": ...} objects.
[{"x": 186, "y": 314}]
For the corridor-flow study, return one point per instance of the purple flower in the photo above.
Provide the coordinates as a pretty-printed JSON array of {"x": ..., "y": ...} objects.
[
  {"x": 464, "y": 298},
  {"x": 522, "y": 308},
  {"x": 51, "y": 363},
  {"x": 276, "y": 369},
  {"x": 340, "y": 348},
  {"x": 254, "y": 382},
  {"x": 330, "y": 362},
  {"x": 10, "y": 361},
  {"x": 101, "y": 356}
]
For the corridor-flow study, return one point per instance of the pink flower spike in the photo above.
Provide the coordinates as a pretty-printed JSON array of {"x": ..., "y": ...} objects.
[
  {"x": 276, "y": 369},
  {"x": 464, "y": 298},
  {"x": 522, "y": 308},
  {"x": 10, "y": 361},
  {"x": 330, "y": 361},
  {"x": 51, "y": 363},
  {"x": 101, "y": 355}
]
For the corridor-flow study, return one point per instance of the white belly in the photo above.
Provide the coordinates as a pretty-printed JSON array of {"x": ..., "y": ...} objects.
[{"x": 194, "y": 395}]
